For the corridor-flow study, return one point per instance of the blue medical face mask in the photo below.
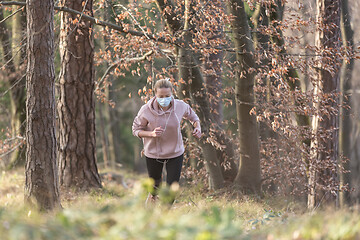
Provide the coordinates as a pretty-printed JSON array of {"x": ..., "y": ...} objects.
[{"x": 164, "y": 102}]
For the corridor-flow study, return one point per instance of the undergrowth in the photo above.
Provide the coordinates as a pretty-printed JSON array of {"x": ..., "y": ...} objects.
[{"x": 117, "y": 211}]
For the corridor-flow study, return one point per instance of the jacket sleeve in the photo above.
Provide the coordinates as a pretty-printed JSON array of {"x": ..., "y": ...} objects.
[
  {"x": 139, "y": 123},
  {"x": 190, "y": 114}
]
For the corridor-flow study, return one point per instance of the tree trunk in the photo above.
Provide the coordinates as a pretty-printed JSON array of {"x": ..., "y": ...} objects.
[
  {"x": 249, "y": 174},
  {"x": 325, "y": 149},
  {"x": 139, "y": 160},
  {"x": 112, "y": 114},
  {"x": 345, "y": 86},
  {"x": 114, "y": 130},
  {"x": 17, "y": 92},
  {"x": 213, "y": 82},
  {"x": 76, "y": 106},
  {"x": 41, "y": 185},
  {"x": 188, "y": 72},
  {"x": 262, "y": 44},
  {"x": 104, "y": 142},
  {"x": 194, "y": 84},
  {"x": 19, "y": 36}
]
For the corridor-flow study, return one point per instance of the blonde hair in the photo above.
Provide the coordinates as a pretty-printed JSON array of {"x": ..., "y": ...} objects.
[{"x": 163, "y": 83}]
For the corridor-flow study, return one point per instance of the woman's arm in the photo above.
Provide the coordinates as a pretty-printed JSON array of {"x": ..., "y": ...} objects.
[
  {"x": 197, "y": 124},
  {"x": 194, "y": 119},
  {"x": 156, "y": 133},
  {"x": 197, "y": 129}
]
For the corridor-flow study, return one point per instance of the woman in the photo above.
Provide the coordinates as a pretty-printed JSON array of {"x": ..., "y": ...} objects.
[{"x": 158, "y": 125}]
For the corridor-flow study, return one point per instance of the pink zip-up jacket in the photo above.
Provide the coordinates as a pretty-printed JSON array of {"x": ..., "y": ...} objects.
[{"x": 170, "y": 143}]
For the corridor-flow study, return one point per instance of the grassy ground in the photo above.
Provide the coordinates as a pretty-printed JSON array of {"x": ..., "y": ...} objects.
[{"x": 117, "y": 212}]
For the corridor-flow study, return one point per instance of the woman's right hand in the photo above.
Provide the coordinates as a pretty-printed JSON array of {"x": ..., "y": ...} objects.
[{"x": 157, "y": 132}]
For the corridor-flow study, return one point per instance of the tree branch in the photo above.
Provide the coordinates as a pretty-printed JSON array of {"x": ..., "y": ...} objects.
[
  {"x": 113, "y": 66},
  {"x": 96, "y": 22}
]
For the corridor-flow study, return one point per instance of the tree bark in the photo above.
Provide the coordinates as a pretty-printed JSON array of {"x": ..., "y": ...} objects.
[
  {"x": 249, "y": 173},
  {"x": 41, "y": 185},
  {"x": 345, "y": 86},
  {"x": 76, "y": 105},
  {"x": 325, "y": 149}
]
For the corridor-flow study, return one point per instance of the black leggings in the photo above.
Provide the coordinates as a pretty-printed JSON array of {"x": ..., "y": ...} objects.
[{"x": 173, "y": 169}]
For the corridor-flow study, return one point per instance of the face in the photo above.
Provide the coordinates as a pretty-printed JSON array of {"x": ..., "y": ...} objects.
[{"x": 163, "y": 92}]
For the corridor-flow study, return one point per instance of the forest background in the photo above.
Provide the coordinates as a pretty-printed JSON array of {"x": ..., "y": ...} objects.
[{"x": 274, "y": 84}]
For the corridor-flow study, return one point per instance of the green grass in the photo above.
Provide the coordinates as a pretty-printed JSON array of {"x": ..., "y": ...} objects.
[{"x": 115, "y": 212}]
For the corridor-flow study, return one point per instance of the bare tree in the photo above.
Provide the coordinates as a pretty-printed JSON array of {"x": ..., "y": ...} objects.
[{"x": 325, "y": 144}]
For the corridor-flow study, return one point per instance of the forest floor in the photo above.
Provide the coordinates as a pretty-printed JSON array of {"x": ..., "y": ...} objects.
[{"x": 117, "y": 211}]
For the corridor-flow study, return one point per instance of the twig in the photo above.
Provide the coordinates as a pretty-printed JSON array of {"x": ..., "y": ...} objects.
[
  {"x": 11, "y": 150},
  {"x": 193, "y": 202},
  {"x": 12, "y": 58},
  {"x": 20, "y": 9},
  {"x": 134, "y": 19},
  {"x": 4, "y": 93}
]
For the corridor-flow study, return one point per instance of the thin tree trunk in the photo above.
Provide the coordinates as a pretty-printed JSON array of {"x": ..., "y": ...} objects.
[
  {"x": 213, "y": 80},
  {"x": 76, "y": 106},
  {"x": 41, "y": 185},
  {"x": 328, "y": 16},
  {"x": 17, "y": 93},
  {"x": 262, "y": 43},
  {"x": 115, "y": 152},
  {"x": 345, "y": 85},
  {"x": 104, "y": 142},
  {"x": 114, "y": 131},
  {"x": 19, "y": 36},
  {"x": 139, "y": 161},
  {"x": 249, "y": 174}
]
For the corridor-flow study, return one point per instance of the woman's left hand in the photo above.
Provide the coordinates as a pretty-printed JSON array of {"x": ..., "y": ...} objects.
[{"x": 197, "y": 132}]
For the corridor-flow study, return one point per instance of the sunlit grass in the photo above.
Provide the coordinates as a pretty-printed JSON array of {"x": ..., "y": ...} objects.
[
  {"x": 11, "y": 188},
  {"x": 118, "y": 212}
]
